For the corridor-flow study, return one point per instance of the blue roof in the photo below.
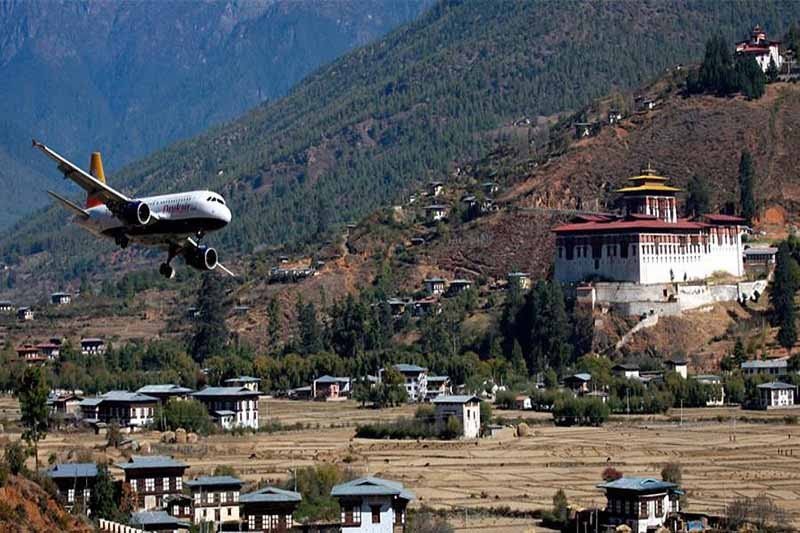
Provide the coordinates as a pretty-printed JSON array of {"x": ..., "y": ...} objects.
[
  {"x": 225, "y": 391},
  {"x": 72, "y": 470},
  {"x": 456, "y": 398},
  {"x": 438, "y": 378},
  {"x": 776, "y": 385},
  {"x": 371, "y": 486},
  {"x": 270, "y": 494},
  {"x": 766, "y": 363},
  {"x": 154, "y": 518},
  {"x": 214, "y": 481},
  {"x": 583, "y": 376},
  {"x": 151, "y": 461},
  {"x": 638, "y": 484},
  {"x": 332, "y": 379},
  {"x": 403, "y": 367},
  {"x": 224, "y": 412},
  {"x": 126, "y": 396},
  {"x": 243, "y": 379},
  {"x": 90, "y": 402},
  {"x": 164, "y": 389}
]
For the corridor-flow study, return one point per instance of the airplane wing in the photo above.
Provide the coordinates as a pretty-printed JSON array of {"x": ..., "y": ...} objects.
[
  {"x": 69, "y": 205},
  {"x": 89, "y": 183},
  {"x": 192, "y": 243}
]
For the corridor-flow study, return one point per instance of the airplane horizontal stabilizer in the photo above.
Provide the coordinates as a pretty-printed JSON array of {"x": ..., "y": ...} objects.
[{"x": 69, "y": 205}]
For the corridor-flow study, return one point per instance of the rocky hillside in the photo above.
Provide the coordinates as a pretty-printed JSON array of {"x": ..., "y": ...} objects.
[
  {"x": 127, "y": 78},
  {"x": 362, "y": 131},
  {"x": 26, "y": 508}
]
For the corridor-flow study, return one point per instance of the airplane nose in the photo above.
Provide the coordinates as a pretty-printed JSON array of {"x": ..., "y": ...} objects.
[{"x": 226, "y": 214}]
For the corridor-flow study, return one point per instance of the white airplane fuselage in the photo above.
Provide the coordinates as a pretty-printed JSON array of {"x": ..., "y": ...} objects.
[{"x": 176, "y": 216}]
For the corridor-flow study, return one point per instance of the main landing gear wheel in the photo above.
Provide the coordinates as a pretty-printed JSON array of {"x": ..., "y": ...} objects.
[
  {"x": 166, "y": 270},
  {"x": 122, "y": 241}
]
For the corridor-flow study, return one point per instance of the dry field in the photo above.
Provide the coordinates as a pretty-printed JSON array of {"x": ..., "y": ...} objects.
[{"x": 522, "y": 473}]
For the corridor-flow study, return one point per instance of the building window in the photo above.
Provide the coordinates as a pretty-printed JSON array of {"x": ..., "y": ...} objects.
[
  {"x": 251, "y": 522},
  {"x": 87, "y": 495},
  {"x": 187, "y": 511},
  {"x": 165, "y": 484},
  {"x": 197, "y": 498},
  {"x": 70, "y": 495},
  {"x": 627, "y": 507},
  {"x": 223, "y": 496},
  {"x": 178, "y": 484},
  {"x": 660, "y": 507},
  {"x": 176, "y": 510},
  {"x": 150, "y": 484},
  {"x": 376, "y": 514},
  {"x": 356, "y": 515}
]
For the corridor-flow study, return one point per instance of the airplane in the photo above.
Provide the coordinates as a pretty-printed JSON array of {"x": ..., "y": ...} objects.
[{"x": 175, "y": 222}]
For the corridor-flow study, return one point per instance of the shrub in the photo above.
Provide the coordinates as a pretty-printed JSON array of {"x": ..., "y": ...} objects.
[
  {"x": 412, "y": 428},
  {"x": 611, "y": 474},
  {"x": 15, "y": 457}
]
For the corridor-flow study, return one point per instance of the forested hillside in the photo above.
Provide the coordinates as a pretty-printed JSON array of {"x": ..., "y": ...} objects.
[
  {"x": 358, "y": 132},
  {"x": 127, "y": 78}
]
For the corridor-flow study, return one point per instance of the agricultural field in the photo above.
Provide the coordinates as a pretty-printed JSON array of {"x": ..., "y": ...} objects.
[{"x": 721, "y": 457}]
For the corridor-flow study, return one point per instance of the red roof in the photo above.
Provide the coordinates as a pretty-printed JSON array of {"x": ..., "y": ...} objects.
[
  {"x": 724, "y": 219},
  {"x": 630, "y": 225}
]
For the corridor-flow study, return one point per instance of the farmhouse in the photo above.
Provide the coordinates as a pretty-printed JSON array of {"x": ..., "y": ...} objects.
[
  {"x": 179, "y": 506},
  {"x": 165, "y": 392},
  {"x": 231, "y": 406},
  {"x": 436, "y": 188},
  {"x": 626, "y": 370},
  {"x": 93, "y": 346},
  {"x": 761, "y": 49},
  {"x": 434, "y": 286},
  {"x": 269, "y": 510},
  {"x": 436, "y": 212},
  {"x": 648, "y": 244},
  {"x": 153, "y": 478},
  {"x": 519, "y": 280},
  {"x": 129, "y": 409},
  {"x": 466, "y": 409},
  {"x": 215, "y": 499},
  {"x": 718, "y": 398},
  {"x": 578, "y": 383},
  {"x": 25, "y": 313},
  {"x": 373, "y": 505},
  {"x": 29, "y": 354},
  {"x": 436, "y": 386},
  {"x": 521, "y": 402},
  {"x": 248, "y": 382},
  {"x": 642, "y": 504},
  {"x": 770, "y": 367},
  {"x": 60, "y": 298},
  {"x": 677, "y": 365},
  {"x": 63, "y": 404},
  {"x": 614, "y": 116},
  {"x": 458, "y": 286},
  {"x": 416, "y": 380},
  {"x": 330, "y": 388},
  {"x": 158, "y": 521},
  {"x": 6, "y": 306},
  {"x": 760, "y": 259},
  {"x": 75, "y": 482},
  {"x": 776, "y": 395}
]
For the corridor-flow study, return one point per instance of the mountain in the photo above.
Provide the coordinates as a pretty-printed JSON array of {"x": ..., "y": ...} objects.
[
  {"x": 129, "y": 77},
  {"x": 363, "y": 130}
]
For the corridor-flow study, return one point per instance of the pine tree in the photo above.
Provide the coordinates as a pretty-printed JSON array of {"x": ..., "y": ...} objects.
[
  {"x": 699, "y": 197},
  {"x": 309, "y": 328},
  {"x": 211, "y": 332},
  {"x": 772, "y": 71},
  {"x": 750, "y": 78},
  {"x": 32, "y": 394},
  {"x": 518, "y": 361},
  {"x": 747, "y": 200},
  {"x": 103, "y": 504}
]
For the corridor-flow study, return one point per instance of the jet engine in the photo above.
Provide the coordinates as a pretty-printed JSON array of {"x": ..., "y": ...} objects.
[
  {"x": 202, "y": 258},
  {"x": 136, "y": 213}
]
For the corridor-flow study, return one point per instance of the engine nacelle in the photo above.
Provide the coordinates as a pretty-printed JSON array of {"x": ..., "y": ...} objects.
[
  {"x": 202, "y": 258},
  {"x": 136, "y": 213}
]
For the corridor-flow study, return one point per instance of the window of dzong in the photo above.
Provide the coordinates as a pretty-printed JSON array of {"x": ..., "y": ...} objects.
[
  {"x": 165, "y": 484},
  {"x": 150, "y": 484}
]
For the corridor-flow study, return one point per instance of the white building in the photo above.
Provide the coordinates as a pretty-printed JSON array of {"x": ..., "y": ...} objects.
[
  {"x": 231, "y": 407},
  {"x": 437, "y": 386},
  {"x": 434, "y": 286},
  {"x": 372, "y": 505},
  {"x": 776, "y": 395},
  {"x": 215, "y": 499},
  {"x": 60, "y": 298},
  {"x": 648, "y": 244},
  {"x": 642, "y": 504},
  {"x": 770, "y": 367},
  {"x": 762, "y": 49},
  {"x": 466, "y": 408},
  {"x": 93, "y": 346},
  {"x": 416, "y": 381},
  {"x": 626, "y": 370},
  {"x": 718, "y": 399},
  {"x": 435, "y": 213},
  {"x": 248, "y": 382},
  {"x": 679, "y": 366}
]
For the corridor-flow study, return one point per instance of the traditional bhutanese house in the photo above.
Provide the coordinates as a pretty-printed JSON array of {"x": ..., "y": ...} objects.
[
  {"x": 434, "y": 286},
  {"x": 397, "y": 306},
  {"x": 776, "y": 395},
  {"x": 6, "y": 306},
  {"x": 216, "y": 499},
  {"x": 522, "y": 402},
  {"x": 330, "y": 388},
  {"x": 770, "y": 367},
  {"x": 75, "y": 482},
  {"x": 614, "y": 116},
  {"x": 129, "y": 409},
  {"x": 761, "y": 49},
  {"x": 583, "y": 129},
  {"x": 716, "y": 399},
  {"x": 648, "y": 243},
  {"x": 152, "y": 478},
  {"x": 179, "y": 506},
  {"x": 426, "y": 306},
  {"x": 466, "y": 409},
  {"x": 458, "y": 286},
  {"x": 231, "y": 406},
  {"x": 50, "y": 350},
  {"x": 642, "y": 504},
  {"x": 677, "y": 365},
  {"x": 437, "y": 386},
  {"x": 93, "y": 346},
  {"x": 248, "y": 382},
  {"x": 30, "y": 355},
  {"x": 165, "y": 392},
  {"x": 60, "y": 298},
  {"x": 578, "y": 383},
  {"x": 626, "y": 370},
  {"x": 416, "y": 380},
  {"x": 519, "y": 280},
  {"x": 760, "y": 259},
  {"x": 25, "y": 313},
  {"x": 269, "y": 510},
  {"x": 436, "y": 212},
  {"x": 159, "y": 521},
  {"x": 490, "y": 187},
  {"x": 372, "y": 505},
  {"x": 436, "y": 188},
  {"x": 64, "y": 404}
]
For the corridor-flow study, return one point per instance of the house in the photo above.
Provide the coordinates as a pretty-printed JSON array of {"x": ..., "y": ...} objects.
[
  {"x": 215, "y": 499},
  {"x": 770, "y": 367},
  {"x": 519, "y": 280},
  {"x": 763, "y": 50},
  {"x": 583, "y": 129},
  {"x": 434, "y": 286},
  {"x": 458, "y": 286},
  {"x": 614, "y": 116},
  {"x": 466, "y": 409},
  {"x": 642, "y": 504},
  {"x": 417, "y": 241},
  {"x": 436, "y": 212},
  {"x": 436, "y": 188},
  {"x": 397, "y": 306},
  {"x": 50, "y": 350},
  {"x": 231, "y": 406},
  {"x": 372, "y": 505},
  {"x": 586, "y": 295},
  {"x": 299, "y": 393},
  {"x": 60, "y": 298},
  {"x": 164, "y": 392},
  {"x": 426, "y": 306},
  {"x": 248, "y": 382},
  {"x": 30, "y": 354},
  {"x": 128, "y": 409},
  {"x": 75, "y": 482},
  {"x": 437, "y": 386},
  {"x": 626, "y": 370},
  {"x": 6, "y": 306},
  {"x": 330, "y": 388},
  {"x": 775, "y": 395},
  {"x": 192, "y": 313},
  {"x": 158, "y": 521},
  {"x": 416, "y": 381},
  {"x": 760, "y": 259},
  {"x": 648, "y": 104},
  {"x": 678, "y": 365},
  {"x": 269, "y": 510},
  {"x": 241, "y": 310},
  {"x": 522, "y": 402},
  {"x": 25, "y": 313},
  {"x": 64, "y": 404},
  {"x": 93, "y": 346},
  {"x": 490, "y": 187},
  {"x": 152, "y": 479},
  {"x": 578, "y": 383},
  {"x": 179, "y": 506},
  {"x": 715, "y": 382}
]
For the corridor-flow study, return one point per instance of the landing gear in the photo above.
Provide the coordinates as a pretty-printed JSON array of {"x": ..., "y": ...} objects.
[
  {"x": 122, "y": 240},
  {"x": 166, "y": 269}
]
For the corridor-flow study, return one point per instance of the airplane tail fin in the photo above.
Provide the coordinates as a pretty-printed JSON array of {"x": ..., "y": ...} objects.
[{"x": 96, "y": 170}]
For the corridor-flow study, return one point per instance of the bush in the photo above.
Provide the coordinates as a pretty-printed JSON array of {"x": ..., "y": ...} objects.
[
  {"x": 427, "y": 520},
  {"x": 412, "y": 428},
  {"x": 611, "y": 474},
  {"x": 569, "y": 411},
  {"x": 15, "y": 456}
]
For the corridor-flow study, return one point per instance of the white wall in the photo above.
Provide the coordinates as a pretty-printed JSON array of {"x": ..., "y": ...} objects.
[{"x": 386, "y": 516}]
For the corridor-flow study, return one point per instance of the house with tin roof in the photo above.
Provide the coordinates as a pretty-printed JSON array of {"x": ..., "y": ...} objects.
[
  {"x": 776, "y": 395},
  {"x": 152, "y": 478},
  {"x": 128, "y": 409},
  {"x": 75, "y": 482},
  {"x": 330, "y": 388},
  {"x": 416, "y": 380},
  {"x": 158, "y": 521},
  {"x": 770, "y": 367},
  {"x": 371, "y": 504},
  {"x": 248, "y": 382},
  {"x": 578, "y": 383},
  {"x": 643, "y": 504},
  {"x": 465, "y": 408},
  {"x": 269, "y": 510},
  {"x": 215, "y": 500},
  {"x": 437, "y": 386},
  {"x": 231, "y": 406},
  {"x": 165, "y": 391}
]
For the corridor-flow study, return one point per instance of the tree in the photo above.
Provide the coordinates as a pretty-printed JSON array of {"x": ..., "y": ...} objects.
[
  {"x": 309, "y": 328},
  {"x": 750, "y": 78},
  {"x": 784, "y": 286},
  {"x": 560, "y": 506},
  {"x": 673, "y": 473},
  {"x": 716, "y": 73},
  {"x": 32, "y": 393},
  {"x": 103, "y": 503},
  {"x": 188, "y": 414},
  {"x": 698, "y": 197},
  {"x": 315, "y": 484},
  {"x": 274, "y": 324},
  {"x": 211, "y": 332},
  {"x": 747, "y": 202},
  {"x": 14, "y": 457},
  {"x": 611, "y": 474},
  {"x": 772, "y": 71}
]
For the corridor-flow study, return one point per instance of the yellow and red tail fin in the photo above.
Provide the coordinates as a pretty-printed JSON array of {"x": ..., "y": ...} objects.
[{"x": 96, "y": 170}]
